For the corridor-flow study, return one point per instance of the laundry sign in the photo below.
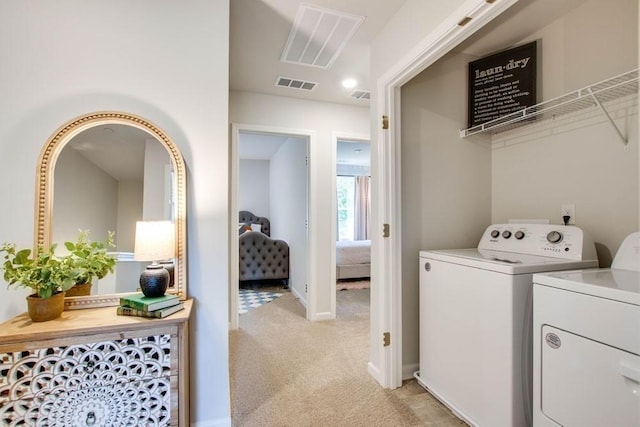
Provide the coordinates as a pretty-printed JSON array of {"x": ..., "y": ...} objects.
[{"x": 502, "y": 83}]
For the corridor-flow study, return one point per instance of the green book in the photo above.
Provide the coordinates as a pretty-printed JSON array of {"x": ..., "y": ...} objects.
[
  {"x": 141, "y": 302},
  {"x": 156, "y": 314}
]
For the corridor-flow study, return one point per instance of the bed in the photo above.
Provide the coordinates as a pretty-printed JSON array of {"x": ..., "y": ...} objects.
[
  {"x": 353, "y": 259},
  {"x": 262, "y": 259}
]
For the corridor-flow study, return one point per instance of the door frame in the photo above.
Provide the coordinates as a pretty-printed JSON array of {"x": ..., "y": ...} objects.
[
  {"x": 336, "y": 135},
  {"x": 386, "y": 365},
  {"x": 234, "y": 169}
]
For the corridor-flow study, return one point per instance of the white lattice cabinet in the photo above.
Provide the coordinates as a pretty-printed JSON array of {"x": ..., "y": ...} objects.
[{"x": 94, "y": 368}]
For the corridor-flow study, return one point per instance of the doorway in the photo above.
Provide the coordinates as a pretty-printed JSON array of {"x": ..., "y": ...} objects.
[
  {"x": 270, "y": 177},
  {"x": 386, "y": 363},
  {"x": 352, "y": 197}
]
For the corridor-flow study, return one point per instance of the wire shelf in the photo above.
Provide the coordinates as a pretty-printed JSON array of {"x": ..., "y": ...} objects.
[{"x": 593, "y": 95}]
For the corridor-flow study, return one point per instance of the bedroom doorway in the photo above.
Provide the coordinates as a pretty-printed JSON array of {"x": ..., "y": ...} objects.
[
  {"x": 352, "y": 196},
  {"x": 270, "y": 179}
]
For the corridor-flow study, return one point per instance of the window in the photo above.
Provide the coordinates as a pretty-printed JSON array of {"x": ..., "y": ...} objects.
[{"x": 346, "y": 190}]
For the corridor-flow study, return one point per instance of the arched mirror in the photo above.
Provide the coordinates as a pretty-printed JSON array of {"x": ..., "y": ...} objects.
[{"x": 102, "y": 172}]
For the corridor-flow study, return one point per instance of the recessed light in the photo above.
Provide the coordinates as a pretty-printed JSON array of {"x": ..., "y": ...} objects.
[{"x": 349, "y": 83}]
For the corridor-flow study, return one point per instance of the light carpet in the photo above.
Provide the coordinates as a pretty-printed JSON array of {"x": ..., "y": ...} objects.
[
  {"x": 287, "y": 371},
  {"x": 344, "y": 285}
]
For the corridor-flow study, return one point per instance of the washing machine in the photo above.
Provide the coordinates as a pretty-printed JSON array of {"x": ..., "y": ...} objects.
[
  {"x": 475, "y": 317},
  {"x": 587, "y": 344}
]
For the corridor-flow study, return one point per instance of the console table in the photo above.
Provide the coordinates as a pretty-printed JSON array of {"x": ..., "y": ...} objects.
[{"x": 93, "y": 367}]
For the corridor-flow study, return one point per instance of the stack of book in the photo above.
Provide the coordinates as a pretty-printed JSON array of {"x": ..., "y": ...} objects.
[{"x": 153, "y": 307}]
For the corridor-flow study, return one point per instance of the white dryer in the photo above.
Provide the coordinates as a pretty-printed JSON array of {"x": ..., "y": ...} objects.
[
  {"x": 475, "y": 317},
  {"x": 587, "y": 344}
]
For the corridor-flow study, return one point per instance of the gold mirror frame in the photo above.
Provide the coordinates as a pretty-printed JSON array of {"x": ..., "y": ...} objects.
[{"x": 45, "y": 185}]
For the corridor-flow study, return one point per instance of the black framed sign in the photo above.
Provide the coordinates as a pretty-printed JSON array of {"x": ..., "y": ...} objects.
[{"x": 502, "y": 83}]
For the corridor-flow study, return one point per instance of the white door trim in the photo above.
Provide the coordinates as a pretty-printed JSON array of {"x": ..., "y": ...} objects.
[
  {"x": 310, "y": 135},
  {"x": 387, "y": 254}
]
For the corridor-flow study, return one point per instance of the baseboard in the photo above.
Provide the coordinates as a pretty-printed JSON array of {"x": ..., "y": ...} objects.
[
  {"x": 374, "y": 372},
  {"x": 222, "y": 422},
  {"x": 299, "y": 297},
  {"x": 408, "y": 371},
  {"x": 324, "y": 316}
]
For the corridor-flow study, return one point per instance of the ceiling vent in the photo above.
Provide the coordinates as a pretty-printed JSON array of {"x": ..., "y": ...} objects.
[
  {"x": 361, "y": 94},
  {"x": 295, "y": 83},
  {"x": 319, "y": 35}
]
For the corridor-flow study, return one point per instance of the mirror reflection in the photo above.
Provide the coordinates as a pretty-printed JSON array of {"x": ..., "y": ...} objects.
[{"x": 106, "y": 178}]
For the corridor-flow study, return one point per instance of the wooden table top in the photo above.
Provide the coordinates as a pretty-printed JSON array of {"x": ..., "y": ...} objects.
[{"x": 89, "y": 320}]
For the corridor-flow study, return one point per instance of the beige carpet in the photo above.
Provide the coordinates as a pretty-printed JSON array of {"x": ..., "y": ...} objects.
[
  {"x": 342, "y": 285},
  {"x": 286, "y": 371}
]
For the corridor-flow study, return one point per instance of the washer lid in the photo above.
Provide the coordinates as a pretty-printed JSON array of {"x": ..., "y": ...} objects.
[
  {"x": 505, "y": 262},
  {"x": 628, "y": 255},
  {"x": 611, "y": 283}
]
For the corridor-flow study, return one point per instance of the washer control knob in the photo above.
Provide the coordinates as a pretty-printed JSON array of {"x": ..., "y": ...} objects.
[
  {"x": 519, "y": 235},
  {"x": 495, "y": 234},
  {"x": 506, "y": 234},
  {"x": 554, "y": 237}
]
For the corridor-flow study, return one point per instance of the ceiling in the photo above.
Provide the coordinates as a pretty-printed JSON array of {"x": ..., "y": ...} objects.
[
  {"x": 259, "y": 31},
  {"x": 116, "y": 149},
  {"x": 262, "y": 146},
  {"x": 353, "y": 153},
  {"x": 257, "y": 146}
]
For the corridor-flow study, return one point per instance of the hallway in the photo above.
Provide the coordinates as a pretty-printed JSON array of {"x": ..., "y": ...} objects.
[{"x": 286, "y": 371}]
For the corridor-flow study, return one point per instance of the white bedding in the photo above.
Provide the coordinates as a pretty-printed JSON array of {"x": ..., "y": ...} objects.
[{"x": 353, "y": 252}]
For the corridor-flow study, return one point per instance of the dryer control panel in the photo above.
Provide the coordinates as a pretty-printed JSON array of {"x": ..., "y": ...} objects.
[{"x": 556, "y": 241}]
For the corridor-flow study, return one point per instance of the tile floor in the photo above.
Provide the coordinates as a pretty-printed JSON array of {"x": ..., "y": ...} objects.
[
  {"x": 426, "y": 407},
  {"x": 248, "y": 299}
]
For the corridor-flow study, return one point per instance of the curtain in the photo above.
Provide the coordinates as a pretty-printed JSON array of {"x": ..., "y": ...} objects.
[{"x": 362, "y": 208}]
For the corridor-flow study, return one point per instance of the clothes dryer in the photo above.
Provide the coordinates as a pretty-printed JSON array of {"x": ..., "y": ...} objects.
[
  {"x": 475, "y": 317},
  {"x": 587, "y": 344}
]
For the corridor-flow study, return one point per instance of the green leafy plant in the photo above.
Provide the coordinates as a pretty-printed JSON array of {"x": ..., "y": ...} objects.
[
  {"x": 45, "y": 273},
  {"x": 91, "y": 256}
]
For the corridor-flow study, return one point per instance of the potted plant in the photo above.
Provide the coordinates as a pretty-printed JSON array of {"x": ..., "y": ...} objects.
[
  {"x": 92, "y": 258},
  {"x": 47, "y": 275}
]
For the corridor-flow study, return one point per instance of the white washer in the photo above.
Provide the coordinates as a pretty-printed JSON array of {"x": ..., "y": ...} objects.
[
  {"x": 475, "y": 317},
  {"x": 587, "y": 344}
]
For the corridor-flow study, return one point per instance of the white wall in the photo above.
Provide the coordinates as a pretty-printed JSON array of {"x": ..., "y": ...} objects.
[
  {"x": 253, "y": 187},
  {"x": 129, "y": 211},
  {"x": 289, "y": 197},
  {"x": 166, "y": 61},
  {"x": 155, "y": 205},
  {"x": 580, "y": 159},
  {"x": 446, "y": 182},
  {"x": 86, "y": 198},
  {"x": 410, "y": 25},
  {"x": 323, "y": 118}
]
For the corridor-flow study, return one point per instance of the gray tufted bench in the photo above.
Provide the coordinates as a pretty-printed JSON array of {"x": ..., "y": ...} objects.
[{"x": 261, "y": 257}]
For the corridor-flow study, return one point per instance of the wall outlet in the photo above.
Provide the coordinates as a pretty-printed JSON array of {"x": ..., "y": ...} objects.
[{"x": 568, "y": 209}]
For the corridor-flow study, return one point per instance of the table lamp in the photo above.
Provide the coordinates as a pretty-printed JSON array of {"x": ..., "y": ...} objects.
[{"x": 155, "y": 241}]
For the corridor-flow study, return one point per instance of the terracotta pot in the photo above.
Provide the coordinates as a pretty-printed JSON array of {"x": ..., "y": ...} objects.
[
  {"x": 41, "y": 310},
  {"x": 80, "y": 290}
]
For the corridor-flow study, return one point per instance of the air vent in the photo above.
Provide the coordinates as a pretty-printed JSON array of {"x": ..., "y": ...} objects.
[
  {"x": 295, "y": 83},
  {"x": 361, "y": 94},
  {"x": 319, "y": 35}
]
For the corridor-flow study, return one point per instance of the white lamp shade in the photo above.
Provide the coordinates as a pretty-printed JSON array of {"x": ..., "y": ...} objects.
[{"x": 155, "y": 241}]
